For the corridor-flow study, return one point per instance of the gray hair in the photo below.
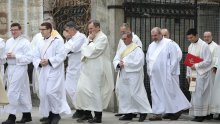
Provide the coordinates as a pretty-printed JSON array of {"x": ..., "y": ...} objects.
[
  {"x": 71, "y": 24},
  {"x": 156, "y": 29},
  {"x": 96, "y": 23}
]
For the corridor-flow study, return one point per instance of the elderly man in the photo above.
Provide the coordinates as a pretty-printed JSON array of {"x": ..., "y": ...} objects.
[
  {"x": 126, "y": 28},
  {"x": 17, "y": 55},
  {"x": 73, "y": 51},
  {"x": 175, "y": 77},
  {"x": 213, "y": 48},
  {"x": 132, "y": 96},
  {"x": 48, "y": 60},
  {"x": 215, "y": 101},
  {"x": 96, "y": 83},
  {"x": 162, "y": 62},
  {"x": 199, "y": 75},
  {"x": 123, "y": 29}
]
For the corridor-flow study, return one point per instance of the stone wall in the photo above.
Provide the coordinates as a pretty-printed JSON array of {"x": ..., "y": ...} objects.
[{"x": 29, "y": 13}]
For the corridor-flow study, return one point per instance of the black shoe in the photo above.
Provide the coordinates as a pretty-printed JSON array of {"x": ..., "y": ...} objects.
[
  {"x": 24, "y": 120},
  {"x": 56, "y": 118},
  {"x": 218, "y": 118},
  {"x": 44, "y": 119},
  {"x": 134, "y": 115},
  {"x": 118, "y": 114},
  {"x": 8, "y": 122},
  {"x": 142, "y": 117},
  {"x": 176, "y": 116},
  {"x": 95, "y": 120},
  {"x": 26, "y": 117},
  {"x": 126, "y": 117},
  {"x": 84, "y": 117},
  {"x": 77, "y": 114},
  {"x": 11, "y": 119},
  {"x": 167, "y": 116},
  {"x": 156, "y": 117},
  {"x": 209, "y": 117},
  {"x": 199, "y": 119}
]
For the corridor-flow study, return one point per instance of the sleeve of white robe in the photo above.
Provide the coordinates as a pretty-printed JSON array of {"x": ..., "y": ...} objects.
[
  {"x": 36, "y": 57},
  {"x": 135, "y": 61},
  {"x": 74, "y": 45},
  {"x": 93, "y": 50},
  {"x": 207, "y": 58},
  {"x": 174, "y": 58},
  {"x": 116, "y": 61},
  {"x": 26, "y": 57},
  {"x": 215, "y": 55},
  {"x": 59, "y": 54},
  {"x": 147, "y": 60},
  {"x": 218, "y": 57},
  {"x": 2, "y": 51}
]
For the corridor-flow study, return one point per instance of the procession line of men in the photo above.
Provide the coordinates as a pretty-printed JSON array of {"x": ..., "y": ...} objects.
[{"x": 89, "y": 76}]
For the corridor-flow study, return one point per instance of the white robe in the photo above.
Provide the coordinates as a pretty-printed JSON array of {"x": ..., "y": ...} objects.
[
  {"x": 135, "y": 39},
  {"x": 35, "y": 41},
  {"x": 213, "y": 48},
  {"x": 132, "y": 96},
  {"x": 215, "y": 101},
  {"x": 2, "y": 48},
  {"x": 96, "y": 83},
  {"x": 18, "y": 87},
  {"x": 73, "y": 51},
  {"x": 51, "y": 78},
  {"x": 200, "y": 98},
  {"x": 162, "y": 64},
  {"x": 175, "y": 76}
]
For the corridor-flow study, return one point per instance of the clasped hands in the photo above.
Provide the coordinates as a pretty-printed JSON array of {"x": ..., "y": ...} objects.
[
  {"x": 10, "y": 55},
  {"x": 44, "y": 62}
]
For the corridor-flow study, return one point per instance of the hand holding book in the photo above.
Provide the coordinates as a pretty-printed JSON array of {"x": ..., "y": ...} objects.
[{"x": 190, "y": 60}]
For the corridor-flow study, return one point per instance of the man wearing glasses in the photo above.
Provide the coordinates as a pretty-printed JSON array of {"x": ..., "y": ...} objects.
[
  {"x": 48, "y": 59},
  {"x": 17, "y": 55}
]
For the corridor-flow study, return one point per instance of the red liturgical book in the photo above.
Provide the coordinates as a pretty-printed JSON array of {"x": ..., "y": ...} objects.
[{"x": 191, "y": 60}]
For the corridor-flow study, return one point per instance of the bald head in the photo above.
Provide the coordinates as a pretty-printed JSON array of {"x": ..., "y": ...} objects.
[
  {"x": 156, "y": 34},
  {"x": 165, "y": 33},
  {"x": 207, "y": 37},
  {"x": 125, "y": 28}
]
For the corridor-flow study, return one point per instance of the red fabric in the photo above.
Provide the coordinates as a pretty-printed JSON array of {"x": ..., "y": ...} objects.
[{"x": 191, "y": 60}]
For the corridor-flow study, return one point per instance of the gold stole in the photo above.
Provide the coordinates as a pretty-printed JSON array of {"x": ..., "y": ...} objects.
[
  {"x": 54, "y": 33},
  {"x": 128, "y": 50}
]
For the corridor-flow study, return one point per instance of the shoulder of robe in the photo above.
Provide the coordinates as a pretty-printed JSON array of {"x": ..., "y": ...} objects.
[{"x": 82, "y": 35}]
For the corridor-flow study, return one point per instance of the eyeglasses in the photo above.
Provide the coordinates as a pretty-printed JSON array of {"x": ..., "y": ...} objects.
[
  {"x": 14, "y": 29},
  {"x": 42, "y": 29}
]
